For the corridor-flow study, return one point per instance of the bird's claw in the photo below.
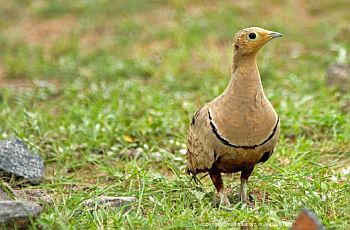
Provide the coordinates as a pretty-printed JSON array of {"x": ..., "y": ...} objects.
[
  {"x": 248, "y": 201},
  {"x": 223, "y": 200}
]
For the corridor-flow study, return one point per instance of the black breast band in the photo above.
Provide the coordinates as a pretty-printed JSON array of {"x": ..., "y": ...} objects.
[{"x": 226, "y": 142}]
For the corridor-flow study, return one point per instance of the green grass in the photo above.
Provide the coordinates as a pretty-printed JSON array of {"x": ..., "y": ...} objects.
[{"x": 112, "y": 93}]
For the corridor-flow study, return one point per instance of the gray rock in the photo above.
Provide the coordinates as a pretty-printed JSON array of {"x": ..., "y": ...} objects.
[
  {"x": 110, "y": 201},
  {"x": 6, "y": 192},
  {"x": 3, "y": 195},
  {"x": 17, "y": 159},
  {"x": 18, "y": 213},
  {"x": 338, "y": 76},
  {"x": 34, "y": 195}
]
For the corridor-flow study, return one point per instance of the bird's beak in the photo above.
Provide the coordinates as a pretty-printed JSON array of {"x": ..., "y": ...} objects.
[{"x": 275, "y": 34}]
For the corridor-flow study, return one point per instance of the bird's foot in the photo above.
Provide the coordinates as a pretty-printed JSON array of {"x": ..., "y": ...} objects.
[
  {"x": 248, "y": 201},
  {"x": 223, "y": 200}
]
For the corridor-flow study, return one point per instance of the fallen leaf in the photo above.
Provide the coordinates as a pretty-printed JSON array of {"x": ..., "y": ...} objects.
[
  {"x": 284, "y": 160},
  {"x": 128, "y": 138}
]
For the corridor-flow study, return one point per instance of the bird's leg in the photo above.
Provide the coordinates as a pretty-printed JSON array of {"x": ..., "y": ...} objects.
[
  {"x": 215, "y": 176},
  {"x": 243, "y": 189},
  {"x": 245, "y": 174}
]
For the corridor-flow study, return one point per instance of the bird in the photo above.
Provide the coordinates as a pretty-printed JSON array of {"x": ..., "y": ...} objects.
[{"x": 239, "y": 128}]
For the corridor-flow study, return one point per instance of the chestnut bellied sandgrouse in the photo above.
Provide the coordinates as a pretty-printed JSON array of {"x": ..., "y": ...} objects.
[{"x": 239, "y": 128}]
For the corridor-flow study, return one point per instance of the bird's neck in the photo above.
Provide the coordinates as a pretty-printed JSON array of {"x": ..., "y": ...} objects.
[
  {"x": 245, "y": 77},
  {"x": 242, "y": 113}
]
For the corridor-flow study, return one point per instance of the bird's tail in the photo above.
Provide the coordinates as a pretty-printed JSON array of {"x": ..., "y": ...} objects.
[{"x": 195, "y": 178}]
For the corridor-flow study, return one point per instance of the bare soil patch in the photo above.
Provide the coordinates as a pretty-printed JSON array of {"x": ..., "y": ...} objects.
[{"x": 43, "y": 32}]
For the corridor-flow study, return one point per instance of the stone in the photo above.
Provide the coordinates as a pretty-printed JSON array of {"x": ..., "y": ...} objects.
[
  {"x": 110, "y": 201},
  {"x": 34, "y": 195},
  {"x": 3, "y": 195},
  {"x": 338, "y": 76},
  {"x": 17, "y": 159},
  {"x": 18, "y": 214},
  {"x": 6, "y": 192},
  {"x": 307, "y": 220}
]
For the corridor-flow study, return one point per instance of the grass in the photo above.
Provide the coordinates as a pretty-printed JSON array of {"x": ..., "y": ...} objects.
[{"x": 105, "y": 90}]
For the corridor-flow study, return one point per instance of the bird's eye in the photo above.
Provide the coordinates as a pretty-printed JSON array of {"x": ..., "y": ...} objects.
[{"x": 252, "y": 36}]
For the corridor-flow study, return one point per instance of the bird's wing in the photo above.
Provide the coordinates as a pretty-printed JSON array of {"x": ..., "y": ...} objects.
[{"x": 200, "y": 153}]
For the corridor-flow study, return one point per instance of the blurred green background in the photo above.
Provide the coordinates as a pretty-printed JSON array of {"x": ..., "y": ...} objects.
[{"x": 104, "y": 91}]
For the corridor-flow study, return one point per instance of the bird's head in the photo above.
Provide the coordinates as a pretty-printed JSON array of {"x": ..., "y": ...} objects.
[{"x": 250, "y": 40}]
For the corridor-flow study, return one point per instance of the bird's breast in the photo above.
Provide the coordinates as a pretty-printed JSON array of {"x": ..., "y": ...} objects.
[{"x": 244, "y": 123}]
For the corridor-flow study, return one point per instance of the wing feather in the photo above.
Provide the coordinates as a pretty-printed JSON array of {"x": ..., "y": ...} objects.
[{"x": 200, "y": 153}]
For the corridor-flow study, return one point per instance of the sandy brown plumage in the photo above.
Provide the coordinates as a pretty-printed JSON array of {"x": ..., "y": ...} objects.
[{"x": 239, "y": 128}]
